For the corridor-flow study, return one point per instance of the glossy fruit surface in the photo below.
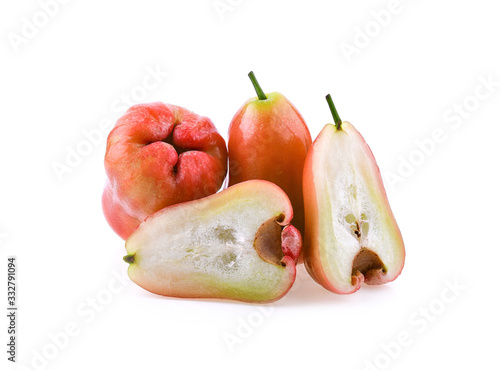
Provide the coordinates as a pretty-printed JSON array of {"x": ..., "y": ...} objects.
[
  {"x": 269, "y": 140},
  {"x": 158, "y": 155}
]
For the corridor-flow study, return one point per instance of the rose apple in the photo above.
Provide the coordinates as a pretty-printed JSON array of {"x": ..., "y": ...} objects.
[
  {"x": 158, "y": 155},
  {"x": 269, "y": 140},
  {"x": 352, "y": 234},
  {"x": 236, "y": 244}
]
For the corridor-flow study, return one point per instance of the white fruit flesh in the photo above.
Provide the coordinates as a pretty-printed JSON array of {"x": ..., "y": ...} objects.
[
  {"x": 205, "y": 248},
  {"x": 353, "y": 211}
]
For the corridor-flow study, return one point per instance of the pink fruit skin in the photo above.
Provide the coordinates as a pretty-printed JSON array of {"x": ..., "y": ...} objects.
[
  {"x": 158, "y": 155},
  {"x": 291, "y": 242}
]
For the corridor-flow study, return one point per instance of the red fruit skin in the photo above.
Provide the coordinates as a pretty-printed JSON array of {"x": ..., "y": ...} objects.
[
  {"x": 291, "y": 242},
  {"x": 269, "y": 140},
  {"x": 312, "y": 259},
  {"x": 158, "y": 155}
]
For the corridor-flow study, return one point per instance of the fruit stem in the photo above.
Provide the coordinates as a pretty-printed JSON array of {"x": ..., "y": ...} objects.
[
  {"x": 258, "y": 89},
  {"x": 129, "y": 258},
  {"x": 335, "y": 114}
]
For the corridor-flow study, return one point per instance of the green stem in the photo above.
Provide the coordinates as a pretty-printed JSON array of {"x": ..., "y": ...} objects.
[
  {"x": 257, "y": 87},
  {"x": 335, "y": 114},
  {"x": 129, "y": 258}
]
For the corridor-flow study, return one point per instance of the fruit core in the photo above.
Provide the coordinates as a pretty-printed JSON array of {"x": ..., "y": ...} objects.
[
  {"x": 365, "y": 261},
  {"x": 267, "y": 241}
]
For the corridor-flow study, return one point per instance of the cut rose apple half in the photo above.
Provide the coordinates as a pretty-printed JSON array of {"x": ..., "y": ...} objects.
[
  {"x": 237, "y": 244},
  {"x": 351, "y": 233}
]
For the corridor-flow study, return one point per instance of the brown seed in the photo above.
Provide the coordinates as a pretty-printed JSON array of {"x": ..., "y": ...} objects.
[
  {"x": 366, "y": 261},
  {"x": 268, "y": 242}
]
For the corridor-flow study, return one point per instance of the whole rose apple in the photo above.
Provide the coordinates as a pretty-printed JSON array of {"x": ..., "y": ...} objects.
[{"x": 158, "y": 155}]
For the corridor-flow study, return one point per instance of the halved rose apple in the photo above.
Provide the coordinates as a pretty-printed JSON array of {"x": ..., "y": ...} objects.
[
  {"x": 351, "y": 233},
  {"x": 237, "y": 244}
]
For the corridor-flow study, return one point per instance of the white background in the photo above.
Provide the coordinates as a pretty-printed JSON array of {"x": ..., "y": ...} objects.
[{"x": 75, "y": 71}]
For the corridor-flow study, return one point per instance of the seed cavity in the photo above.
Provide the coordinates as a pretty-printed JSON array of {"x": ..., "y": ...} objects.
[
  {"x": 267, "y": 241},
  {"x": 358, "y": 228},
  {"x": 350, "y": 218},
  {"x": 366, "y": 263}
]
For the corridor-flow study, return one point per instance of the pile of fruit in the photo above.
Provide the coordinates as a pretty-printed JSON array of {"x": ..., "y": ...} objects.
[{"x": 165, "y": 165}]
